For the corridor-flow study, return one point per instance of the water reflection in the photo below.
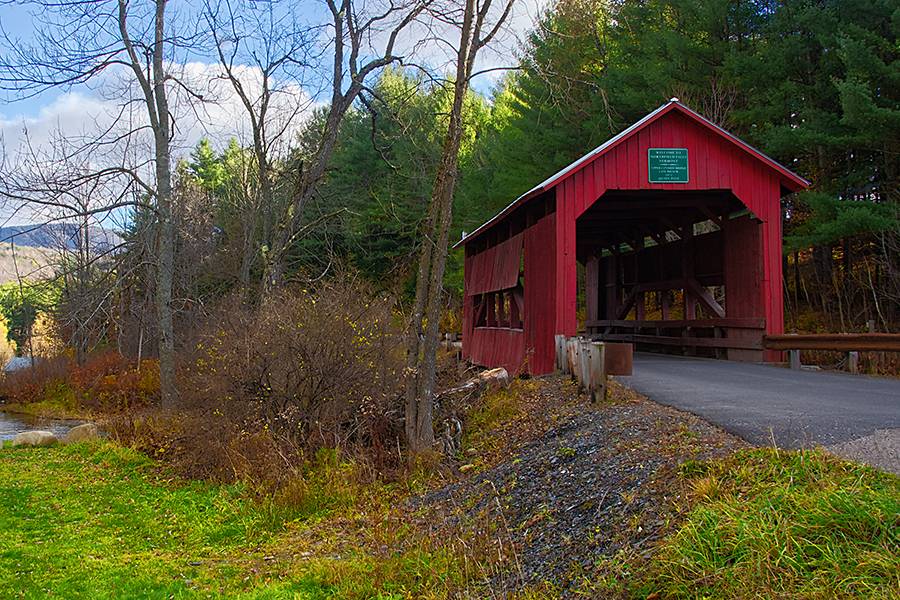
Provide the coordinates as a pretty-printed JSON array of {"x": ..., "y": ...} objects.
[{"x": 13, "y": 423}]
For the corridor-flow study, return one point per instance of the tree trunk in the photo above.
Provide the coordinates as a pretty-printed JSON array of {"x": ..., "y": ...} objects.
[
  {"x": 166, "y": 237},
  {"x": 433, "y": 260},
  {"x": 165, "y": 277}
]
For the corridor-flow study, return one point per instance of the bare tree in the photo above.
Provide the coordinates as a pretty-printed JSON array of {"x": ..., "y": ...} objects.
[
  {"x": 100, "y": 42},
  {"x": 476, "y": 31},
  {"x": 355, "y": 57},
  {"x": 266, "y": 55}
]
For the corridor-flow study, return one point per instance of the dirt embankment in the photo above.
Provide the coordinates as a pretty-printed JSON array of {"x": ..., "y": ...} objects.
[{"x": 570, "y": 485}]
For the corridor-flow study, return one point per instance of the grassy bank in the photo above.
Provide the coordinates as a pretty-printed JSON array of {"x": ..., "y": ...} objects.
[
  {"x": 100, "y": 521},
  {"x": 775, "y": 524}
]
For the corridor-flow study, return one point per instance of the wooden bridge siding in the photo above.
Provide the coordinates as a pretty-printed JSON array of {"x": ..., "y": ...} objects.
[
  {"x": 531, "y": 348},
  {"x": 540, "y": 295},
  {"x": 468, "y": 305},
  {"x": 489, "y": 346},
  {"x": 497, "y": 347},
  {"x": 714, "y": 164},
  {"x": 744, "y": 287}
]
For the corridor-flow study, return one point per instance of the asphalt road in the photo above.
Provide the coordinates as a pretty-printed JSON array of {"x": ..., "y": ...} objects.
[{"x": 763, "y": 403}]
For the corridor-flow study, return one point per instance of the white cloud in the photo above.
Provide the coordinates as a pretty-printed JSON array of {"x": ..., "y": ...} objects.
[
  {"x": 220, "y": 116},
  {"x": 114, "y": 108},
  {"x": 113, "y": 104},
  {"x": 438, "y": 52},
  {"x": 74, "y": 112}
]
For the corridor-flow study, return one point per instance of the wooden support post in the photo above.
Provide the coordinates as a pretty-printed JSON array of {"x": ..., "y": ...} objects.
[
  {"x": 853, "y": 362},
  {"x": 687, "y": 272},
  {"x": 571, "y": 357},
  {"x": 794, "y": 356},
  {"x": 592, "y": 287},
  {"x": 611, "y": 282},
  {"x": 561, "y": 362},
  {"x": 491, "y": 317},
  {"x": 597, "y": 362},
  {"x": 584, "y": 363},
  {"x": 640, "y": 299}
]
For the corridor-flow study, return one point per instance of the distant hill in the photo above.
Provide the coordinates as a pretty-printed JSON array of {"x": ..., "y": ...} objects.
[
  {"x": 56, "y": 236},
  {"x": 26, "y": 262}
]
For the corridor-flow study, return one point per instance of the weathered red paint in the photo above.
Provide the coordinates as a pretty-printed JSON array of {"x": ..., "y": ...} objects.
[
  {"x": 718, "y": 161},
  {"x": 496, "y": 269}
]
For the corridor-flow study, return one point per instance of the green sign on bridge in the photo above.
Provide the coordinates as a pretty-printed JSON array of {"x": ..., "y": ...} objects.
[{"x": 667, "y": 165}]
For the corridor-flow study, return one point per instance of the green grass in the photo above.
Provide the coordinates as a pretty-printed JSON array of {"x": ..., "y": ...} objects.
[
  {"x": 776, "y": 524},
  {"x": 101, "y": 521}
]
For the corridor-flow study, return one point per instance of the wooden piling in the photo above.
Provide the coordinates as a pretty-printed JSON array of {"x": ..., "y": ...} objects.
[
  {"x": 571, "y": 355},
  {"x": 597, "y": 365},
  {"x": 584, "y": 364},
  {"x": 560, "y": 353}
]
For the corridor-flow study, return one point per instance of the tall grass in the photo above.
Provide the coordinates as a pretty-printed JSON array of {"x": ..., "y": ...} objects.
[{"x": 776, "y": 524}]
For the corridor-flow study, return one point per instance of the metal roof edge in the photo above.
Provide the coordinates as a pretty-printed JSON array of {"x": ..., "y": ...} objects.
[{"x": 553, "y": 179}]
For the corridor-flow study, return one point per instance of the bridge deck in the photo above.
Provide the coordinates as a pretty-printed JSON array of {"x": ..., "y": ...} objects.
[{"x": 760, "y": 403}]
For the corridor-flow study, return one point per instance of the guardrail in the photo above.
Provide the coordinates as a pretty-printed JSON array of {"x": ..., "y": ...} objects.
[
  {"x": 589, "y": 362},
  {"x": 851, "y": 343},
  {"x": 718, "y": 334}
]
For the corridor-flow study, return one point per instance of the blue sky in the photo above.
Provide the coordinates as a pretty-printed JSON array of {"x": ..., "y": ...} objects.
[
  {"x": 17, "y": 22},
  {"x": 83, "y": 109}
]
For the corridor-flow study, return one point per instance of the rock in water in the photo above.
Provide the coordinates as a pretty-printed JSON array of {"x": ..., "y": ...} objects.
[
  {"x": 34, "y": 438},
  {"x": 82, "y": 433}
]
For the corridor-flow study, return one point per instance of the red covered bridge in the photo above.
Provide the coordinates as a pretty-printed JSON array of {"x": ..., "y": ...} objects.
[{"x": 668, "y": 236}]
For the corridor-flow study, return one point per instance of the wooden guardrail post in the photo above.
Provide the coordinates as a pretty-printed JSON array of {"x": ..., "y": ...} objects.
[
  {"x": 584, "y": 365},
  {"x": 835, "y": 342},
  {"x": 571, "y": 356},
  {"x": 590, "y": 362},
  {"x": 560, "y": 352},
  {"x": 597, "y": 371},
  {"x": 851, "y": 343},
  {"x": 794, "y": 358}
]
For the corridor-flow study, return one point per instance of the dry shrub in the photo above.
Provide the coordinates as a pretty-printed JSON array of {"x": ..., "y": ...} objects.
[
  {"x": 106, "y": 382},
  {"x": 197, "y": 445},
  {"x": 203, "y": 446},
  {"x": 111, "y": 383},
  {"x": 35, "y": 384},
  {"x": 316, "y": 368}
]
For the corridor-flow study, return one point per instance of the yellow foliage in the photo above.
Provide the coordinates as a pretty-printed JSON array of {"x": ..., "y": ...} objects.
[
  {"x": 44, "y": 338},
  {"x": 7, "y": 348}
]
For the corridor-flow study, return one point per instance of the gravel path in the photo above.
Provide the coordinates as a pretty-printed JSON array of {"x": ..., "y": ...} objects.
[
  {"x": 599, "y": 480},
  {"x": 880, "y": 449}
]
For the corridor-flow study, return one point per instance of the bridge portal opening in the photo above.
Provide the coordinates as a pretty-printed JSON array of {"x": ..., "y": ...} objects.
[{"x": 671, "y": 271}]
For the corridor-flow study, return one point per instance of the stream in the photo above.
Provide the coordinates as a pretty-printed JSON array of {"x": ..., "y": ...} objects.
[{"x": 13, "y": 423}]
